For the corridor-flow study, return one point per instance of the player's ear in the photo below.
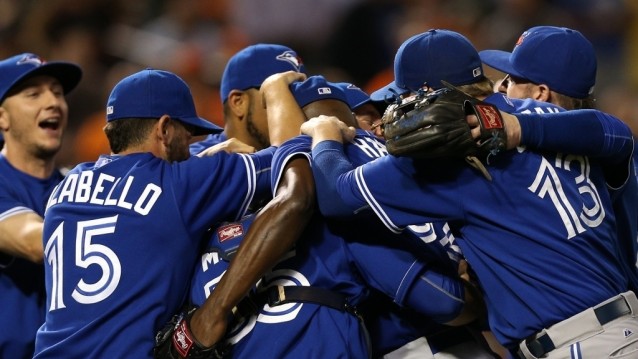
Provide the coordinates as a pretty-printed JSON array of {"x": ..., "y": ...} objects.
[
  {"x": 238, "y": 103},
  {"x": 4, "y": 119},
  {"x": 163, "y": 129},
  {"x": 542, "y": 93}
]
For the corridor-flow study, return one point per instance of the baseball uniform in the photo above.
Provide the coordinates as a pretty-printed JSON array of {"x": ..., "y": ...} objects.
[
  {"x": 120, "y": 238},
  {"x": 23, "y": 295},
  {"x": 531, "y": 271}
]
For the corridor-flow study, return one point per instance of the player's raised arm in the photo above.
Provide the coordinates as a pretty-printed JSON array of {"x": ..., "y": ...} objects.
[{"x": 284, "y": 114}]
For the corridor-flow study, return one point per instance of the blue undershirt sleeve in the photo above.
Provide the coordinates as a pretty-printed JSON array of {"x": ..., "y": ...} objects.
[
  {"x": 585, "y": 132},
  {"x": 329, "y": 161}
]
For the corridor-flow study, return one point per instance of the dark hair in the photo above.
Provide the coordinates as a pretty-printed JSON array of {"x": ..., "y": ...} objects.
[
  {"x": 226, "y": 111},
  {"x": 331, "y": 107},
  {"x": 127, "y": 132},
  {"x": 482, "y": 88},
  {"x": 572, "y": 103}
]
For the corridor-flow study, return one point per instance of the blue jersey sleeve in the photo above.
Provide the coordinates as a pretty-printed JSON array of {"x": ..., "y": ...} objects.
[
  {"x": 298, "y": 146},
  {"x": 389, "y": 265},
  {"x": 237, "y": 178}
]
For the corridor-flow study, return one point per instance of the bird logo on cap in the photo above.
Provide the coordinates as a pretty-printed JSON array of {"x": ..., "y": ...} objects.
[
  {"x": 30, "y": 59},
  {"x": 292, "y": 58},
  {"x": 521, "y": 38}
]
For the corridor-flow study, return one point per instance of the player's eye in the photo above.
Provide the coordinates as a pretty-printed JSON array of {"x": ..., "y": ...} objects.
[{"x": 506, "y": 81}]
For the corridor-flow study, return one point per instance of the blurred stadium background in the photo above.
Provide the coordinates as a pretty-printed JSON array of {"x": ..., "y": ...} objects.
[{"x": 345, "y": 40}]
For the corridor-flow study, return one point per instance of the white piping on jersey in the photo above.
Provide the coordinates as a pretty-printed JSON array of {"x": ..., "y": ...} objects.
[
  {"x": 284, "y": 164},
  {"x": 376, "y": 207},
  {"x": 403, "y": 278},
  {"x": 251, "y": 176},
  {"x": 445, "y": 292},
  {"x": 14, "y": 211}
]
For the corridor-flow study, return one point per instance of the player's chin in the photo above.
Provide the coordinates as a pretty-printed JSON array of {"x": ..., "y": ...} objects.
[{"x": 49, "y": 148}]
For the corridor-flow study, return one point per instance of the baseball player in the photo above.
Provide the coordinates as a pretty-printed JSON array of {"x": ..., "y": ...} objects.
[
  {"x": 531, "y": 273},
  {"x": 308, "y": 264},
  {"x": 567, "y": 79},
  {"x": 33, "y": 117},
  {"x": 122, "y": 233},
  {"x": 400, "y": 332},
  {"x": 244, "y": 116}
]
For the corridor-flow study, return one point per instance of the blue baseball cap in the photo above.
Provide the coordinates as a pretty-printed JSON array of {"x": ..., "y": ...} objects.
[
  {"x": 435, "y": 55},
  {"x": 154, "y": 93},
  {"x": 388, "y": 93},
  {"x": 316, "y": 88},
  {"x": 251, "y": 66},
  {"x": 355, "y": 96},
  {"x": 20, "y": 67},
  {"x": 559, "y": 57}
]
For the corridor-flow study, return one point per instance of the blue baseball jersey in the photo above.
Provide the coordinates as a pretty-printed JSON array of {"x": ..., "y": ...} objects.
[
  {"x": 210, "y": 140},
  {"x": 346, "y": 258},
  {"x": 610, "y": 141},
  {"x": 540, "y": 236},
  {"x": 121, "y": 236},
  {"x": 624, "y": 200},
  {"x": 22, "y": 294}
]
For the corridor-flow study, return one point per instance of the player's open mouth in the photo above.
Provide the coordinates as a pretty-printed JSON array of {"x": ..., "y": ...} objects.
[{"x": 50, "y": 123}]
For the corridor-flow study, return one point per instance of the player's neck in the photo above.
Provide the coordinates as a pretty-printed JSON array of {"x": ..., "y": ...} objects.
[
  {"x": 28, "y": 163},
  {"x": 240, "y": 133}
]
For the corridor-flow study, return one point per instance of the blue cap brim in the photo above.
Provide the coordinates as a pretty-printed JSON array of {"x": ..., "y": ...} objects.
[
  {"x": 202, "y": 126},
  {"x": 68, "y": 74},
  {"x": 499, "y": 60},
  {"x": 388, "y": 93}
]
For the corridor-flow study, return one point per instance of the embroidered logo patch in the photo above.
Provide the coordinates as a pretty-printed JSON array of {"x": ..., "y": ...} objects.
[
  {"x": 182, "y": 340},
  {"x": 627, "y": 332},
  {"x": 292, "y": 59},
  {"x": 490, "y": 116},
  {"x": 230, "y": 231}
]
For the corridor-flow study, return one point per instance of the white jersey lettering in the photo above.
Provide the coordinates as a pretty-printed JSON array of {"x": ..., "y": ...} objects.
[{"x": 80, "y": 188}]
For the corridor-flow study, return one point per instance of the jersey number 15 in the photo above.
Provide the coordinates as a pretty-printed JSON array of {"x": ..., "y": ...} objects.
[{"x": 86, "y": 254}]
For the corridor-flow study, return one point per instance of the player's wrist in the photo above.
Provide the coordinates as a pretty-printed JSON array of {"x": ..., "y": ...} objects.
[{"x": 512, "y": 130}]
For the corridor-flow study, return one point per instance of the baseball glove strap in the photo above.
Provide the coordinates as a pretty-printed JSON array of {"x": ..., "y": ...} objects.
[
  {"x": 278, "y": 295},
  {"x": 176, "y": 341}
]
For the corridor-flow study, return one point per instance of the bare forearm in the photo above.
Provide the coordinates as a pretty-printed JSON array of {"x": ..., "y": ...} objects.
[
  {"x": 21, "y": 236},
  {"x": 273, "y": 233}
]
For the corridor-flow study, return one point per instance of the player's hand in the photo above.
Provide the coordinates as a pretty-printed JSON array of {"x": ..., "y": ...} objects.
[
  {"x": 207, "y": 330},
  {"x": 510, "y": 123},
  {"x": 274, "y": 84},
  {"x": 231, "y": 145},
  {"x": 323, "y": 128},
  {"x": 463, "y": 270}
]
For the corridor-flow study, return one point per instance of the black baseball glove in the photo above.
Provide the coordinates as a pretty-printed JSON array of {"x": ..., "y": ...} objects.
[
  {"x": 175, "y": 340},
  {"x": 433, "y": 125}
]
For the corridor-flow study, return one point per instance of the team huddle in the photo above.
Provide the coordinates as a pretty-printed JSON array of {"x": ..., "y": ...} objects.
[{"x": 444, "y": 215}]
